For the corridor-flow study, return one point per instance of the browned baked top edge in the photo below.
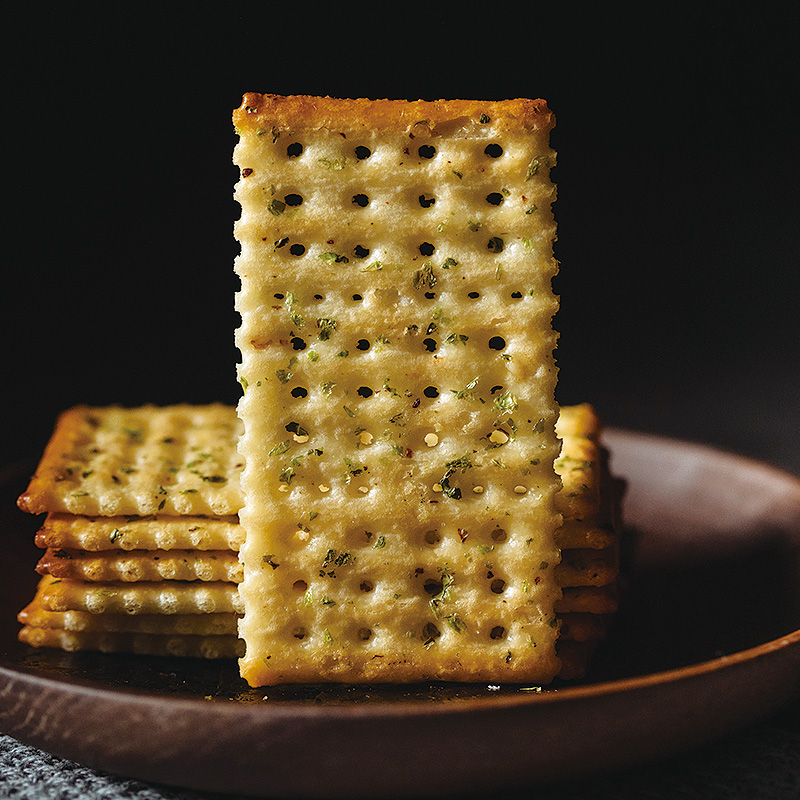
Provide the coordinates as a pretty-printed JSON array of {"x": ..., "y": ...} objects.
[{"x": 300, "y": 112}]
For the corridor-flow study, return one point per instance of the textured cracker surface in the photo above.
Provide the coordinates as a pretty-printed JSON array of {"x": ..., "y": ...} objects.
[
  {"x": 89, "y": 551},
  {"x": 37, "y": 615},
  {"x": 398, "y": 408},
  {"x": 138, "y": 461},
  {"x": 186, "y": 645},
  {"x": 158, "y": 597},
  {"x": 157, "y": 532},
  {"x": 142, "y": 565},
  {"x": 585, "y": 520}
]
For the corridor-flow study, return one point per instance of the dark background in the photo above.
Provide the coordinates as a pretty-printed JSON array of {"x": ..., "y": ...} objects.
[{"x": 677, "y": 210}]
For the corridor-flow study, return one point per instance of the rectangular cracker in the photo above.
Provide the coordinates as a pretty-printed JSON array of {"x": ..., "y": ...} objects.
[
  {"x": 578, "y": 567},
  {"x": 37, "y": 615},
  {"x": 166, "y": 597},
  {"x": 137, "y": 461},
  {"x": 586, "y": 499},
  {"x": 398, "y": 407},
  {"x": 588, "y": 599},
  {"x": 149, "y": 644},
  {"x": 157, "y": 532},
  {"x": 588, "y": 567},
  {"x": 141, "y": 565}
]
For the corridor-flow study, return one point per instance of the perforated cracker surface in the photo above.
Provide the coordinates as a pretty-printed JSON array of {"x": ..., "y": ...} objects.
[
  {"x": 141, "y": 565},
  {"x": 37, "y": 615},
  {"x": 156, "y": 532},
  {"x": 158, "y": 597},
  {"x": 137, "y": 461},
  {"x": 398, "y": 383}
]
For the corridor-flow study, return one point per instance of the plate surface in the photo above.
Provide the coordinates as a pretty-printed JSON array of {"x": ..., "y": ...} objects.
[{"x": 708, "y": 640}]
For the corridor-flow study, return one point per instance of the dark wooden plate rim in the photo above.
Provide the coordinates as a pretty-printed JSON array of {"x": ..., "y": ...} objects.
[{"x": 522, "y": 696}]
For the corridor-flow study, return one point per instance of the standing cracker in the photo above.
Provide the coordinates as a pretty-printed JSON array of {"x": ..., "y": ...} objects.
[{"x": 398, "y": 408}]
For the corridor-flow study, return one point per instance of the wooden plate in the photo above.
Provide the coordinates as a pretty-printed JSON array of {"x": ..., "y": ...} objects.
[{"x": 708, "y": 641}]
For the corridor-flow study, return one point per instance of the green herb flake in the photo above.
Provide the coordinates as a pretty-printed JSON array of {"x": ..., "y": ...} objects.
[
  {"x": 506, "y": 403},
  {"x": 390, "y": 389},
  {"x": 326, "y": 327},
  {"x": 280, "y": 448},
  {"x": 456, "y": 623},
  {"x": 353, "y": 469},
  {"x": 537, "y": 162},
  {"x": 334, "y": 258},
  {"x": 457, "y": 338},
  {"x": 438, "y": 316},
  {"x": 214, "y": 479},
  {"x": 451, "y": 467},
  {"x": 295, "y": 316},
  {"x": 276, "y": 207},
  {"x": 573, "y": 464},
  {"x": 334, "y": 559},
  {"x": 467, "y": 392},
  {"x": 335, "y": 163},
  {"x": 424, "y": 277},
  {"x": 380, "y": 543},
  {"x": 441, "y": 596}
]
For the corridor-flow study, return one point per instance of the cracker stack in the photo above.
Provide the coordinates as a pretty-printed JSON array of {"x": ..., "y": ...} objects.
[
  {"x": 398, "y": 409},
  {"x": 166, "y": 584},
  {"x": 406, "y": 510},
  {"x": 140, "y": 535}
]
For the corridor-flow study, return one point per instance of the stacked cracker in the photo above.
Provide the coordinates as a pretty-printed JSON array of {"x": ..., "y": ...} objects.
[
  {"x": 589, "y": 538},
  {"x": 140, "y": 535},
  {"x": 166, "y": 584}
]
